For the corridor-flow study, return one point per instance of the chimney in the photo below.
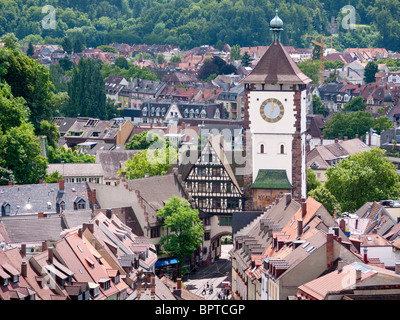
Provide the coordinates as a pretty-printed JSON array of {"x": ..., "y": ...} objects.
[
  {"x": 329, "y": 249},
  {"x": 303, "y": 208},
  {"x": 40, "y": 215},
  {"x": 299, "y": 228},
  {"x": 365, "y": 255},
  {"x": 24, "y": 269},
  {"x": 288, "y": 197},
  {"x": 23, "y": 250},
  {"x": 108, "y": 213},
  {"x": 342, "y": 224},
  {"x": 94, "y": 197},
  {"x": 40, "y": 181},
  {"x": 336, "y": 140},
  {"x": 50, "y": 254},
  {"x": 61, "y": 184},
  {"x": 44, "y": 246},
  {"x": 397, "y": 268},
  {"x": 341, "y": 264},
  {"x": 358, "y": 275},
  {"x": 345, "y": 138},
  {"x": 370, "y": 138},
  {"x": 10, "y": 183}
]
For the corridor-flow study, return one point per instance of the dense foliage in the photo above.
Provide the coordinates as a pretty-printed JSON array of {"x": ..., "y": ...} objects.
[
  {"x": 185, "y": 230},
  {"x": 363, "y": 177},
  {"x": 189, "y": 23}
]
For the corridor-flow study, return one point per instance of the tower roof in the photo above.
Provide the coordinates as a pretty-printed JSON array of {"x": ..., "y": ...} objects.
[{"x": 276, "y": 67}]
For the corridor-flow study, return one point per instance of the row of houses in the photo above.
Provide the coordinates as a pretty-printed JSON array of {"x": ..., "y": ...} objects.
[
  {"x": 298, "y": 251},
  {"x": 56, "y": 243}
]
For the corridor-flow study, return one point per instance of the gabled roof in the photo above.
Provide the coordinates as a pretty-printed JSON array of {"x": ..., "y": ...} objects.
[
  {"x": 272, "y": 179},
  {"x": 276, "y": 67},
  {"x": 338, "y": 281}
]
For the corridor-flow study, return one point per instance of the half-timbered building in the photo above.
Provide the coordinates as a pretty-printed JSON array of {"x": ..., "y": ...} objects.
[{"x": 214, "y": 190}]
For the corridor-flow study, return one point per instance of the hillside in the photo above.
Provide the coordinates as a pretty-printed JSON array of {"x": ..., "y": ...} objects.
[{"x": 190, "y": 23}]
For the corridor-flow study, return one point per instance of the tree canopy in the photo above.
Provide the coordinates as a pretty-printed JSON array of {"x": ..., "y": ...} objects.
[
  {"x": 184, "y": 229},
  {"x": 354, "y": 123},
  {"x": 363, "y": 177}
]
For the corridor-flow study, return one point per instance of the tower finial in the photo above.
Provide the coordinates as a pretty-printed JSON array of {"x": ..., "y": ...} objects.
[{"x": 276, "y": 25}]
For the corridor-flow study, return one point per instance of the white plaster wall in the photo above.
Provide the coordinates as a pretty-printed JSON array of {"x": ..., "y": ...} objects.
[
  {"x": 272, "y": 159},
  {"x": 272, "y": 135}
]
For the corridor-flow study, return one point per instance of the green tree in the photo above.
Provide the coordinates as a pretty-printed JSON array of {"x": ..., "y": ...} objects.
[
  {"x": 363, "y": 177},
  {"x": 318, "y": 106},
  {"x": 381, "y": 124},
  {"x": 348, "y": 125},
  {"x": 78, "y": 46},
  {"x": 176, "y": 58},
  {"x": 246, "y": 59},
  {"x": 31, "y": 50},
  {"x": 30, "y": 80},
  {"x": 355, "y": 104},
  {"x": 13, "y": 111},
  {"x": 54, "y": 177},
  {"x": 6, "y": 176},
  {"x": 122, "y": 63},
  {"x": 106, "y": 48},
  {"x": 20, "y": 152},
  {"x": 160, "y": 58},
  {"x": 370, "y": 71},
  {"x": 51, "y": 132},
  {"x": 154, "y": 162},
  {"x": 235, "y": 53},
  {"x": 66, "y": 155},
  {"x": 86, "y": 91},
  {"x": 312, "y": 181},
  {"x": 184, "y": 230},
  {"x": 67, "y": 45},
  {"x": 311, "y": 69},
  {"x": 142, "y": 141},
  {"x": 328, "y": 200}
]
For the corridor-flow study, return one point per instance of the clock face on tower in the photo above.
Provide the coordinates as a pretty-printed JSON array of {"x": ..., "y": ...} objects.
[{"x": 272, "y": 110}]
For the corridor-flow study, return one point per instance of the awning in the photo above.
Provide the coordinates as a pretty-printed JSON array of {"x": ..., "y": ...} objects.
[{"x": 166, "y": 262}]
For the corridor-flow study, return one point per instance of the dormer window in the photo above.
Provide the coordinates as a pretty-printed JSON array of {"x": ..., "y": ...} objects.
[
  {"x": 14, "y": 274},
  {"x": 144, "y": 112},
  {"x": 80, "y": 204},
  {"x": 6, "y": 209},
  {"x": 4, "y": 278},
  {"x": 105, "y": 284}
]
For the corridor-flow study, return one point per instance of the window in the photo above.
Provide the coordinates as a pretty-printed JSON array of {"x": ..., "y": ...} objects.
[
  {"x": 105, "y": 284},
  {"x": 233, "y": 204},
  {"x": 216, "y": 172},
  {"x": 155, "y": 232},
  {"x": 202, "y": 187},
  {"x": 262, "y": 149},
  {"x": 282, "y": 149},
  {"x": 80, "y": 205},
  {"x": 200, "y": 172},
  {"x": 206, "y": 221},
  {"x": 217, "y": 204},
  {"x": 206, "y": 236},
  {"x": 216, "y": 187},
  {"x": 225, "y": 221},
  {"x": 202, "y": 203}
]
